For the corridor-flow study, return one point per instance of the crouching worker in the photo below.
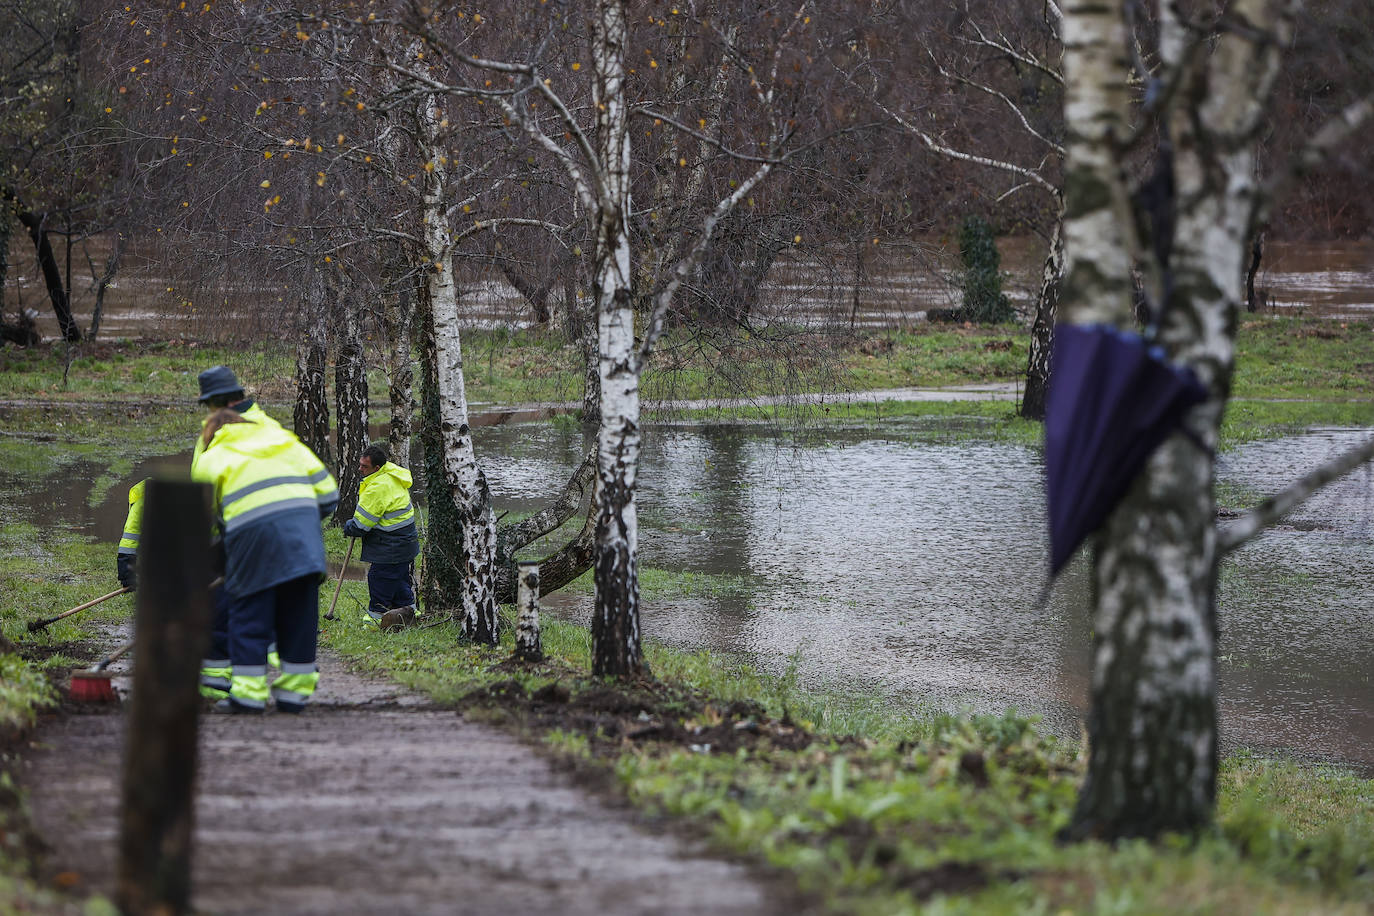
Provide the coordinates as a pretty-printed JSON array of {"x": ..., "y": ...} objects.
[
  {"x": 385, "y": 520},
  {"x": 271, "y": 493},
  {"x": 126, "y": 557}
]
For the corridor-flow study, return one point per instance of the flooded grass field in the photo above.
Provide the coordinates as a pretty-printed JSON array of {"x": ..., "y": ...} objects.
[{"x": 908, "y": 559}]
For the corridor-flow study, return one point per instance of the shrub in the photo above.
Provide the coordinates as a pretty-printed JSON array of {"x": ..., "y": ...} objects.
[{"x": 981, "y": 281}]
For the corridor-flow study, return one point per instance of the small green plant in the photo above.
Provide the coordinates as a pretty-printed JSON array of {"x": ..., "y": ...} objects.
[{"x": 984, "y": 301}]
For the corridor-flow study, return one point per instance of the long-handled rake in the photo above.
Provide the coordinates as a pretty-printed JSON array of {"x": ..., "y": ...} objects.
[{"x": 36, "y": 625}]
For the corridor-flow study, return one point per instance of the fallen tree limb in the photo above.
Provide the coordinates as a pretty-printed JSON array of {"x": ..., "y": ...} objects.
[{"x": 566, "y": 564}]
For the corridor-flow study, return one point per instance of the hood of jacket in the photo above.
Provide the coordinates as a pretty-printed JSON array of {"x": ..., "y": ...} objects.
[
  {"x": 255, "y": 440},
  {"x": 401, "y": 476}
]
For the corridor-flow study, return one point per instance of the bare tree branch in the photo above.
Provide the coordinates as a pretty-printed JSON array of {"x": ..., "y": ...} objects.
[
  {"x": 1015, "y": 109},
  {"x": 1280, "y": 504}
]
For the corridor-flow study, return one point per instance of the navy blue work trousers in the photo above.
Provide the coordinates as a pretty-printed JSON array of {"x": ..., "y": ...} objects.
[
  {"x": 290, "y": 610},
  {"x": 388, "y": 586}
]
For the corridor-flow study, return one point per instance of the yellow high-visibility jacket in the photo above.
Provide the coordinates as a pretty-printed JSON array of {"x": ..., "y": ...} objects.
[
  {"x": 133, "y": 523},
  {"x": 250, "y": 411},
  {"x": 385, "y": 517},
  {"x": 270, "y": 493}
]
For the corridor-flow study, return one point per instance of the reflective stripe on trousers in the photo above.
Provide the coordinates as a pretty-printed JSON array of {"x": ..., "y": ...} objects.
[
  {"x": 296, "y": 684},
  {"x": 248, "y": 686}
]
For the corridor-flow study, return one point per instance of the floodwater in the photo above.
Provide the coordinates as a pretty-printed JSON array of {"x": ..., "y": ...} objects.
[
  {"x": 909, "y": 560},
  {"x": 884, "y": 561},
  {"x": 896, "y": 287}
]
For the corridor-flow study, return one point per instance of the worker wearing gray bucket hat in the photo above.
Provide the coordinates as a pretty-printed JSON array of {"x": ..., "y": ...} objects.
[
  {"x": 220, "y": 388},
  {"x": 218, "y": 382}
]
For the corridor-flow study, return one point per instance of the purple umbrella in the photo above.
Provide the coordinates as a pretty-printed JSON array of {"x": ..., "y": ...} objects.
[{"x": 1113, "y": 398}]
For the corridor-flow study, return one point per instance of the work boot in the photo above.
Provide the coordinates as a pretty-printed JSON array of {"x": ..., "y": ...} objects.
[
  {"x": 228, "y": 705},
  {"x": 398, "y": 618}
]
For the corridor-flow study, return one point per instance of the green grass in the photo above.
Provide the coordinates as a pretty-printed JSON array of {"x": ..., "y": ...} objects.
[
  {"x": 42, "y": 572},
  {"x": 1304, "y": 358},
  {"x": 1327, "y": 364},
  {"x": 879, "y": 808}
]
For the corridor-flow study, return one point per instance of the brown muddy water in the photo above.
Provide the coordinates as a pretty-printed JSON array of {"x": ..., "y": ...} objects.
[
  {"x": 896, "y": 286},
  {"x": 906, "y": 560}
]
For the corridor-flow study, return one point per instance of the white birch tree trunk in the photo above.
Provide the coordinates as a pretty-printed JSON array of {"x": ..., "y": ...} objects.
[
  {"x": 466, "y": 483},
  {"x": 528, "y": 646},
  {"x": 310, "y": 416},
  {"x": 615, "y": 617},
  {"x": 1152, "y": 724},
  {"x": 350, "y": 396}
]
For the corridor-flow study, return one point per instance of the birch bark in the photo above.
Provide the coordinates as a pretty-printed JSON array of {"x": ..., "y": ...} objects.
[
  {"x": 401, "y": 373},
  {"x": 615, "y": 617},
  {"x": 467, "y": 486},
  {"x": 1152, "y": 724},
  {"x": 310, "y": 417},
  {"x": 350, "y": 395}
]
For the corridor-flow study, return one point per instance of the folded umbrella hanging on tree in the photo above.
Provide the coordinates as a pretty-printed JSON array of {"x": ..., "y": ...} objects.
[{"x": 1113, "y": 399}]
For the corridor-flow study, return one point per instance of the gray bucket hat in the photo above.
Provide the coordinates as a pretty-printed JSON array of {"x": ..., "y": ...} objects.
[{"x": 217, "y": 380}]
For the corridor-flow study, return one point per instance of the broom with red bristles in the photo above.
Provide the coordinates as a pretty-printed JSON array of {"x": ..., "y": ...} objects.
[{"x": 92, "y": 685}]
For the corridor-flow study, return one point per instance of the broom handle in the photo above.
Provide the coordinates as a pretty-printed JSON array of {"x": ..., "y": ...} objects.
[
  {"x": 329, "y": 615},
  {"x": 113, "y": 657},
  {"x": 40, "y": 624}
]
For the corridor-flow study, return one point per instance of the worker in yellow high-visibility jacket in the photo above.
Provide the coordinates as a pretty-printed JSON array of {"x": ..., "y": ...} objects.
[
  {"x": 385, "y": 520},
  {"x": 220, "y": 388},
  {"x": 126, "y": 557},
  {"x": 271, "y": 493}
]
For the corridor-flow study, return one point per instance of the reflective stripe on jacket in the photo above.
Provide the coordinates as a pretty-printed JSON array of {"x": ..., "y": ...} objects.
[
  {"x": 128, "y": 541},
  {"x": 270, "y": 492},
  {"x": 387, "y": 516}
]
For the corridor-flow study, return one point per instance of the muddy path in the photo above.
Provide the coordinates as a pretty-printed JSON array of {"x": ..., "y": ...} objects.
[{"x": 376, "y": 801}]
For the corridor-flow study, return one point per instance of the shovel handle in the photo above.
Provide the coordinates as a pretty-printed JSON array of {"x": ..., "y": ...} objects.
[
  {"x": 329, "y": 614},
  {"x": 36, "y": 625}
]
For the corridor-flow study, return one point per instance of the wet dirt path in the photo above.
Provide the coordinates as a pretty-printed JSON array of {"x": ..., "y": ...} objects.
[{"x": 376, "y": 802}]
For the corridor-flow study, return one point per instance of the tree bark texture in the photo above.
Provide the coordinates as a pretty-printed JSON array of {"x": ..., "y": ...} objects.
[
  {"x": 467, "y": 486},
  {"x": 173, "y": 625},
  {"x": 401, "y": 373},
  {"x": 1042, "y": 328},
  {"x": 351, "y": 398},
  {"x": 36, "y": 223},
  {"x": 441, "y": 580},
  {"x": 310, "y": 416},
  {"x": 591, "y": 363},
  {"x": 1149, "y": 744},
  {"x": 616, "y": 650},
  {"x": 1152, "y": 725},
  {"x": 103, "y": 283},
  {"x": 528, "y": 647}
]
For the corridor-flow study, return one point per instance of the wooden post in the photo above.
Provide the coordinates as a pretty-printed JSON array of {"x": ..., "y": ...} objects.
[
  {"x": 528, "y": 647},
  {"x": 171, "y": 632}
]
